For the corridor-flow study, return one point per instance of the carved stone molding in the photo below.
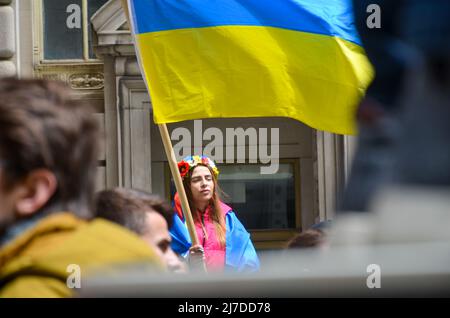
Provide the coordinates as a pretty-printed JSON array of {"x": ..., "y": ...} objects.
[
  {"x": 86, "y": 81},
  {"x": 84, "y": 78}
]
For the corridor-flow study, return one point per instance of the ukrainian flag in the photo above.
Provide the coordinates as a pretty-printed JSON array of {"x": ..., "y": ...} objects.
[{"x": 252, "y": 58}]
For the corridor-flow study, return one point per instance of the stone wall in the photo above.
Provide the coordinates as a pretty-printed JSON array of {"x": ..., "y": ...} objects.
[{"x": 7, "y": 39}]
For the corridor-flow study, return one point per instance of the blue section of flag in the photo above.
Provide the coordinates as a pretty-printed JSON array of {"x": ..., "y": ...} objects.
[
  {"x": 181, "y": 241},
  {"x": 240, "y": 253},
  {"x": 326, "y": 17}
]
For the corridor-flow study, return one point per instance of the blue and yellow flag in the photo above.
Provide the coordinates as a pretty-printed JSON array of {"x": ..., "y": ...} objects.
[{"x": 252, "y": 58}]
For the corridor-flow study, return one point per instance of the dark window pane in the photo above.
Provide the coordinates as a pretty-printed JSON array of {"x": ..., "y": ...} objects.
[
  {"x": 63, "y": 31},
  {"x": 93, "y": 6},
  {"x": 260, "y": 201}
]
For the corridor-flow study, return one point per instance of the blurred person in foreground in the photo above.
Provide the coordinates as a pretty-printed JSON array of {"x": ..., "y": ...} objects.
[
  {"x": 146, "y": 215},
  {"x": 224, "y": 241},
  {"x": 404, "y": 132},
  {"x": 419, "y": 187},
  {"x": 48, "y": 162},
  {"x": 377, "y": 114}
]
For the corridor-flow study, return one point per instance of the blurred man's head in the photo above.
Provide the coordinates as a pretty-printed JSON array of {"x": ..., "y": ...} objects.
[
  {"x": 48, "y": 150},
  {"x": 308, "y": 239},
  {"x": 146, "y": 215}
]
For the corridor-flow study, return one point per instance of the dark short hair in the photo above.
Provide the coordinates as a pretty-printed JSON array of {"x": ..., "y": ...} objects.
[
  {"x": 323, "y": 226},
  {"x": 43, "y": 126},
  {"x": 129, "y": 208},
  {"x": 308, "y": 238}
]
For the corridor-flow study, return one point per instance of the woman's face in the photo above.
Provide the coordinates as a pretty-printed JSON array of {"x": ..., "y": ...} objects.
[{"x": 202, "y": 185}]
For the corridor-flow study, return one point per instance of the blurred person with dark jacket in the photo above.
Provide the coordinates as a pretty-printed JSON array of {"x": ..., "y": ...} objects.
[
  {"x": 145, "y": 214},
  {"x": 48, "y": 162},
  {"x": 410, "y": 46},
  {"x": 423, "y": 156},
  {"x": 416, "y": 185}
]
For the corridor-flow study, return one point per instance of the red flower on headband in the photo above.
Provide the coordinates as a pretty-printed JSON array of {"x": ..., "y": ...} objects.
[{"x": 183, "y": 167}]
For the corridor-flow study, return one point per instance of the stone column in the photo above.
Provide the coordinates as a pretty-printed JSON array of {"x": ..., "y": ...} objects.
[
  {"x": 330, "y": 163},
  {"x": 7, "y": 39}
]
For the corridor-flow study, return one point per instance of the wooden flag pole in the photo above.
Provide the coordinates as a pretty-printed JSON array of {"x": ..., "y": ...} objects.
[
  {"x": 173, "y": 166},
  {"x": 178, "y": 182}
]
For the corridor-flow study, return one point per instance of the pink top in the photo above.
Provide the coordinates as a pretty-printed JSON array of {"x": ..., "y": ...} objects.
[{"x": 214, "y": 252}]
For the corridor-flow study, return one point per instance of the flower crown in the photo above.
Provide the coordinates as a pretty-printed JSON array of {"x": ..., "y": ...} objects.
[{"x": 190, "y": 162}]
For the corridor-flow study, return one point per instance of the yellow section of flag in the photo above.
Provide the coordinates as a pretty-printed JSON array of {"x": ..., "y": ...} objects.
[{"x": 254, "y": 71}]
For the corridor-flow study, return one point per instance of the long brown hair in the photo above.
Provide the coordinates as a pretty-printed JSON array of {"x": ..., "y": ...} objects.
[{"x": 217, "y": 214}]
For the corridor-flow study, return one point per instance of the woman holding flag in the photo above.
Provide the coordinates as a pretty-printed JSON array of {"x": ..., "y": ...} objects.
[{"x": 224, "y": 242}]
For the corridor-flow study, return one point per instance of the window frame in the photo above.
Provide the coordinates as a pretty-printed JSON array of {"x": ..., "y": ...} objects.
[
  {"x": 39, "y": 46},
  {"x": 265, "y": 239}
]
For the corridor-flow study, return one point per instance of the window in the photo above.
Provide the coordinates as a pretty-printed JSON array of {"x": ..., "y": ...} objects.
[
  {"x": 263, "y": 201},
  {"x": 66, "y": 34}
]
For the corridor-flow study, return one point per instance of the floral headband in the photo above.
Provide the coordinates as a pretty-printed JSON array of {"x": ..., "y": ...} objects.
[{"x": 191, "y": 162}]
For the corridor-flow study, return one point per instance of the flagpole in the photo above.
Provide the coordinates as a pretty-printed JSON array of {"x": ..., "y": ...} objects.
[
  {"x": 178, "y": 182},
  {"x": 173, "y": 166}
]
